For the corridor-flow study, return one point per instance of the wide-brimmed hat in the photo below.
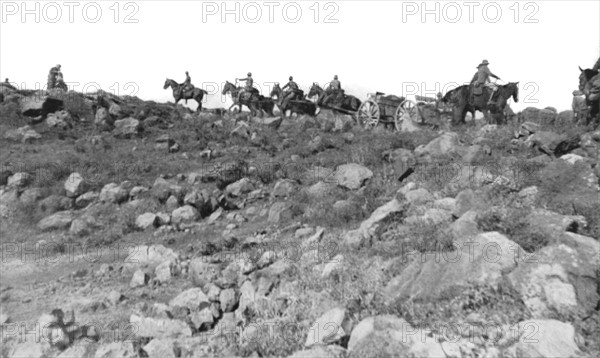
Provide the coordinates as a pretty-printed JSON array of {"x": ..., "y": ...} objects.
[
  {"x": 577, "y": 93},
  {"x": 483, "y": 63}
]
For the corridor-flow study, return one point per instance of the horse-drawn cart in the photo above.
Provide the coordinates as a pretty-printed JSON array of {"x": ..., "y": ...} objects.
[{"x": 385, "y": 109}]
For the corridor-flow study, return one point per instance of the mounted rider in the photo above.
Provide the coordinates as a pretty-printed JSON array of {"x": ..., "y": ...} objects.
[
  {"x": 334, "y": 90},
  {"x": 187, "y": 84},
  {"x": 249, "y": 88},
  {"x": 481, "y": 79},
  {"x": 292, "y": 93},
  {"x": 53, "y": 75}
]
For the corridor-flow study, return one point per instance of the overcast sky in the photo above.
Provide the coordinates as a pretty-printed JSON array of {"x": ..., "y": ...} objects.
[{"x": 386, "y": 46}]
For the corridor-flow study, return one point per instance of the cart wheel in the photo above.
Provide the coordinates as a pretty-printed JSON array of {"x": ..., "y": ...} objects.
[
  {"x": 406, "y": 110},
  {"x": 235, "y": 108},
  {"x": 368, "y": 114}
]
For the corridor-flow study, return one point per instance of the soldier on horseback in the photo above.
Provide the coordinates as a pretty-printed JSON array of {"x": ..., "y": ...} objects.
[
  {"x": 481, "y": 79},
  {"x": 187, "y": 84},
  {"x": 249, "y": 88},
  {"x": 334, "y": 90},
  {"x": 292, "y": 93}
]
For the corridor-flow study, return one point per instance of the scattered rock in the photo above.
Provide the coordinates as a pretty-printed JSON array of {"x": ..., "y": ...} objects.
[
  {"x": 352, "y": 176},
  {"x": 57, "y": 221},
  {"x": 139, "y": 279}
]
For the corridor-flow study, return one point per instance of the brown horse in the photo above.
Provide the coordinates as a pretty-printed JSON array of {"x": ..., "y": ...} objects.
[
  {"x": 197, "y": 94},
  {"x": 255, "y": 102},
  {"x": 298, "y": 104},
  {"x": 464, "y": 101},
  {"x": 588, "y": 80},
  {"x": 347, "y": 104}
]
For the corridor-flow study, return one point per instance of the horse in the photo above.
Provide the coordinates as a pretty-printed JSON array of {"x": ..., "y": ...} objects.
[
  {"x": 299, "y": 105},
  {"x": 465, "y": 102},
  {"x": 458, "y": 98},
  {"x": 349, "y": 103},
  {"x": 256, "y": 102},
  {"x": 587, "y": 83},
  {"x": 197, "y": 94}
]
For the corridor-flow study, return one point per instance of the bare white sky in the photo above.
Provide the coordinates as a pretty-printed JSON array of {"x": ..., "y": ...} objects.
[{"x": 387, "y": 46}]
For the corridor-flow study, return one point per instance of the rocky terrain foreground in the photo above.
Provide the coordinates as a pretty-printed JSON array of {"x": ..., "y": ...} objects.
[{"x": 137, "y": 229}]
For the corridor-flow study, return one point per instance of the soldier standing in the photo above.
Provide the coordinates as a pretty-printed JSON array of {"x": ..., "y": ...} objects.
[{"x": 54, "y": 71}]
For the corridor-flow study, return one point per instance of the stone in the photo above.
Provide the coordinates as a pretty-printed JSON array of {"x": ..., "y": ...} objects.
[
  {"x": 387, "y": 335},
  {"x": 328, "y": 328},
  {"x": 19, "y": 180},
  {"x": 184, "y": 215},
  {"x": 116, "y": 350},
  {"x": 146, "y": 220},
  {"x": 172, "y": 203},
  {"x": 352, "y": 176},
  {"x": 545, "y": 338},
  {"x": 560, "y": 279},
  {"x": 229, "y": 299},
  {"x": 201, "y": 318},
  {"x": 127, "y": 128},
  {"x": 369, "y": 227},
  {"x": 240, "y": 187},
  {"x": 160, "y": 348},
  {"x": 443, "y": 145},
  {"x": 419, "y": 196},
  {"x": 57, "y": 221},
  {"x": 86, "y": 199},
  {"x": 193, "y": 299},
  {"x": 280, "y": 212},
  {"x": 481, "y": 262},
  {"x": 283, "y": 188},
  {"x": 24, "y": 134},
  {"x": 60, "y": 119},
  {"x": 113, "y": 193},
  {"x": 139, "y": 279},
  {"x": 114, "y": 297},
  {"x": 159, "y": 328},
  {"x": 163, "y": 272}
]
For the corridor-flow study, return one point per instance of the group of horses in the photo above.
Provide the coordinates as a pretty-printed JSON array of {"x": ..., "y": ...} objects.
[{"x": 462, "y": 99}]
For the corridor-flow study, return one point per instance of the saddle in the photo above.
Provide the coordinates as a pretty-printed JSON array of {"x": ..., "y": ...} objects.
[{"x": 478, "y": 89}]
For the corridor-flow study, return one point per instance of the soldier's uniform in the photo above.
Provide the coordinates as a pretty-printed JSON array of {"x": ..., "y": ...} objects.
[
  {"x": 333, "y": 90},
  {"x": 249, "y": 88},
  {"x": 187, "y": 84},
  {"x": 482, "y": 79},
  {"x": 54, "y": 71},
  {"x": 293, "y": 90}
]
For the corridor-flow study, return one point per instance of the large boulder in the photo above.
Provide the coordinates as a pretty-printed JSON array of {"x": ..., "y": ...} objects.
[
  {"x": 443, "y": 145},
  {"x": 369, "y": 227},
  {"x": 479, "y": 261},
  {"x": 329, "y": 327},
  {"x": 391, "y": 336},
  {"x": 56, "y": 221},
  {"x": 127, "y": 128},
  {"x": 543, "y": 339},
  {"x": 184, "y": 215},
  {"x": 560, "y": 279},
  {"x": 352, "y": 176},
  {"x": 24, "y": 134},
  {"x": 38, "y": 105},
  {"x": 60, "y": 119},
  {"x": 113, "y": 193}
]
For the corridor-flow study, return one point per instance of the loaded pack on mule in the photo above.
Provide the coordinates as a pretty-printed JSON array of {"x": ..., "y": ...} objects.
[{"x": 186, "y": 91}]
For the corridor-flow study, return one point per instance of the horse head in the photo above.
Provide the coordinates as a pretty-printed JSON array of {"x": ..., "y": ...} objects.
[
  {"x": 167, "y": 83},
  {"x": 227, "y": 87},
  {"x": 276, "y": 91},
  {"x": 514, "y": 89},
  {"x": 585, "y": 76},
  {"x": 314, "y": 90}
]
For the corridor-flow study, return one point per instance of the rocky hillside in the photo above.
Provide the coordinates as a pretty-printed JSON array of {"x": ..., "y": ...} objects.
[{"x": 138, "y": 229}]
